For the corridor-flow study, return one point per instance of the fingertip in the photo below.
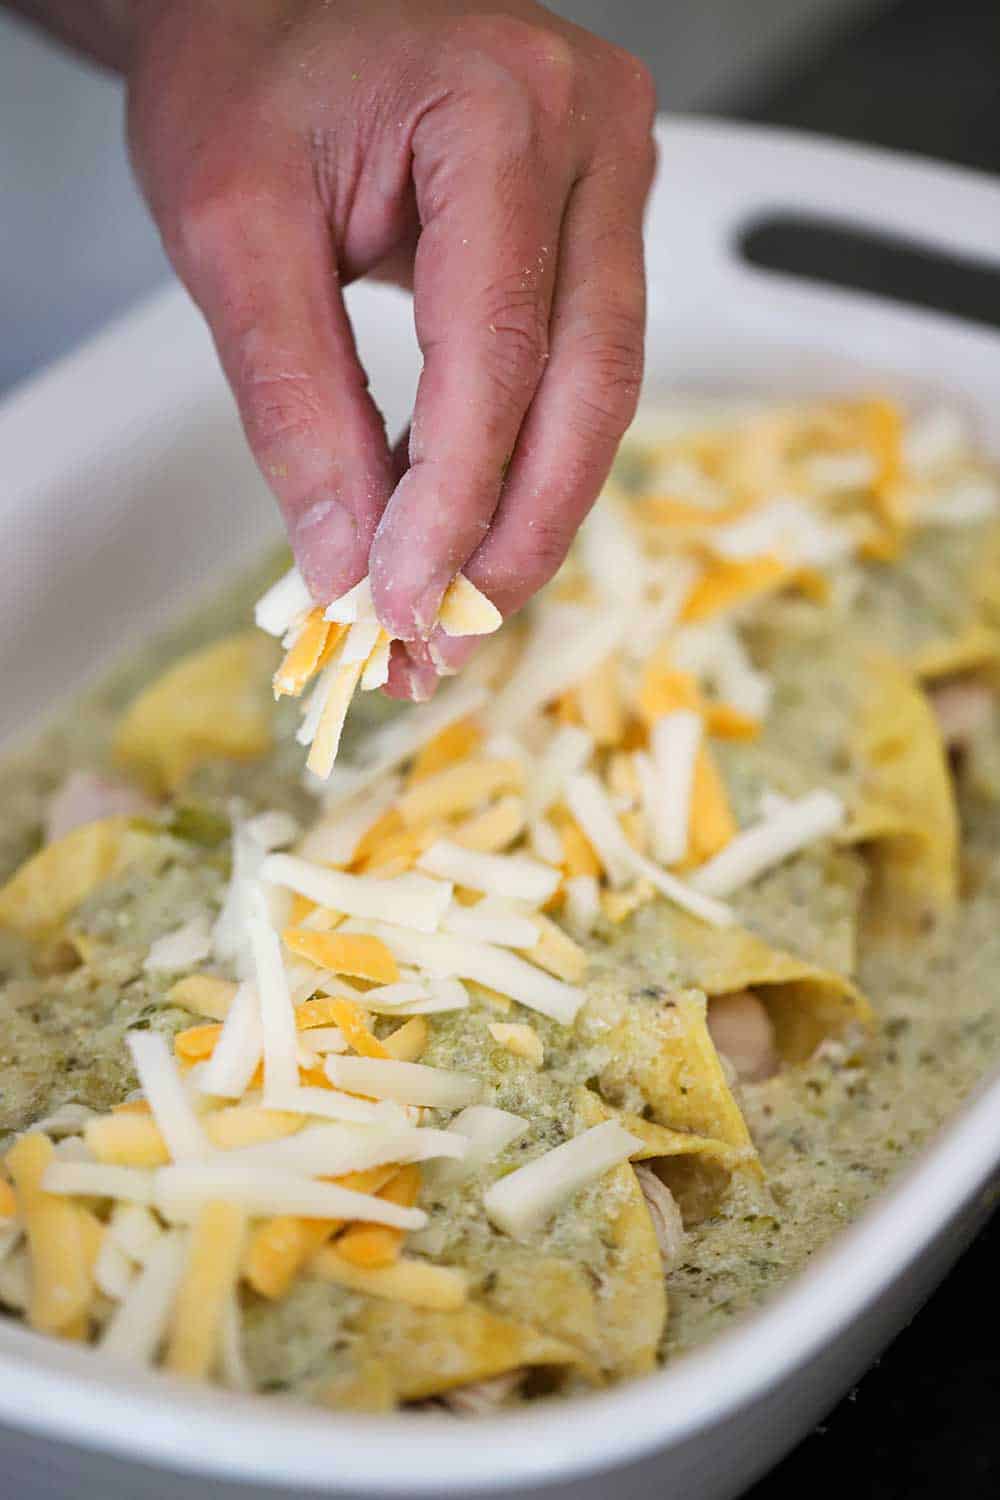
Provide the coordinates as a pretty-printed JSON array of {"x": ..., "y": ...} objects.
[
  {"x": 328, "y": 549},
  {"x": 405, "y": 603},
  {"x": 449, "y": 653},
  {"x": 410, "y": 680}
]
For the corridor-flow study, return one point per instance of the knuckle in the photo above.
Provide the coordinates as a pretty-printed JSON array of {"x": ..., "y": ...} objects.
[
  {"x": 530, "y": 68},
  {"x": 634, "y": 92},
  {"x": 204, "y": 225}
]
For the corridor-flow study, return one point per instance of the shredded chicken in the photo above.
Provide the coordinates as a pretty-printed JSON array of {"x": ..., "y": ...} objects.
[
  {"x": 84, "y": 797},
  {"x": 482, "y": 1397},
  {"x": 665, "y": 1214},
  {"x": 962, "y": 709},
  {"x": 742, "y": 1031}
]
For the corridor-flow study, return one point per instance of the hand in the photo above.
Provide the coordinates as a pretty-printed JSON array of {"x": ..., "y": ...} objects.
[{"x": 498, "y": 161}]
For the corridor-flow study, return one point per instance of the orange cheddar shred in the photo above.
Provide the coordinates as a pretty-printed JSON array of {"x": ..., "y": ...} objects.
[
  {"x": 377, "y": 1244},
  {"x": 454, "y": 743},
  {"x": 351, "y": 1020},
  {"x": 353, "y": 953},
  {"x": 302, "y": 660}
]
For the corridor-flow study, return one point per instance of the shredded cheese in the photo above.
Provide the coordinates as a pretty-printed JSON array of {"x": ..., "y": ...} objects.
[
  {"x": 182, "y": 948},
  {"x": 513, "y": 877},
  {"x": 374, "y": 1244},
  {"x": 769, "y": 842},
  {"x": 506, "y": 928},
  {"x": 94, "y": 1180},
  {"x": 466, "y": 611},
  {"x": 303, "y": 656},
  {"x": 137, "y": 1327},
  {"x": 417, "y": 1283},
  {"x": 520, "y": 1039},
  {"x": 166, "y": 1095},
  {"x": 203, "y": 995},
  {"x": 488, "y": 1131},
  {"x": 492, "y": 830},
  {"x": 277, "y": 1017},
  {"x": 413, "y": 900},
  {"x": 209, "y": 1280},
  {"x": 566, "y": 643},
  {"x": 284, "y": 604},
  {"x": 356, "y": 604},
  {"x": 583, "y": 905},
  {"x": 589, "y": 803},
  {"x": 403, "y": 1082},
  {"x": 237, "y": 1053},
  {"x": 676, "y": 739},
  {"x": 182, "y": 1192},
  {"x": 458, "y": 789},
  {"x": 336, "y": 838},
  {"x": 61, "y": 1280},
  {"x": 520, "y": 1203},
  {"x": 324, "y": 1103},
  {"x": 496, "y": 968}
]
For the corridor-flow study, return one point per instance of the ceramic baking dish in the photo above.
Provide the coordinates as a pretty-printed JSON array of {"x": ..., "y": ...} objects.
[{"x": 127, "y": 490}]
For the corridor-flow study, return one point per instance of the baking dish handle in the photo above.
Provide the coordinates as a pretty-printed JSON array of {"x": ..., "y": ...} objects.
[{"x": 739, "y": 174}]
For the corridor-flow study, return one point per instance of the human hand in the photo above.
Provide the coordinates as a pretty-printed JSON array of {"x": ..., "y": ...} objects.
[{"x": 498, "y": 161}]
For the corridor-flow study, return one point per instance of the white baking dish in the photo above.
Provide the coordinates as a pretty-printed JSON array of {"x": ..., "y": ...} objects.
[{"x": 127, "y": 488}]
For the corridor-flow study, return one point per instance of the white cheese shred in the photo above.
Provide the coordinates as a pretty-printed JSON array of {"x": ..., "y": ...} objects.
[
  {"x": 768, "y": 843},
  {"x": 403, "y": 1082},
  {"x": 521, "y": 1202},
  {"x": 138, "y": 1325},
  {"x": 513, "y": 877},
  {"x": 163, "y": 1087},
  {"x": 488, "y": 1131},
  {"x": 676, "y": 740},
  {"x": 238, "y": 1050},
  {"x": 284, "y": 604},
  {"x": 591, "y": 806},
  {"x": 412, "y": 900},
  {"x": 496, "y": 968},
  {"x": 277, "y": 1015}
]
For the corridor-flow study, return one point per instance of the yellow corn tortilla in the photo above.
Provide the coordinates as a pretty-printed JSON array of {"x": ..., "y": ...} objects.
[
  {"x": 971, "y": 650},
  {"x": 410, "y": 1354},
  {"x": 905, "y": 810},
  {"x": 664, "y": 1048},
  {"x": 213, "y": 704},
  {"x": 633, "y": 1310},
  {"x": 49, "y": 887},
  {"x": 806, "y": 1003}
]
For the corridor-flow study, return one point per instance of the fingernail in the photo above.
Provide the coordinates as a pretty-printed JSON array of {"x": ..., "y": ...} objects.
[{"x": 324, "y": 540}]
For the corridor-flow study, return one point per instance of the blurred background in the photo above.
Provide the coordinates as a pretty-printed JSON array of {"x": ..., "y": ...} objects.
[
  {"x": 923, "y": 75},
  {"x": 76, "y": 246}
]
